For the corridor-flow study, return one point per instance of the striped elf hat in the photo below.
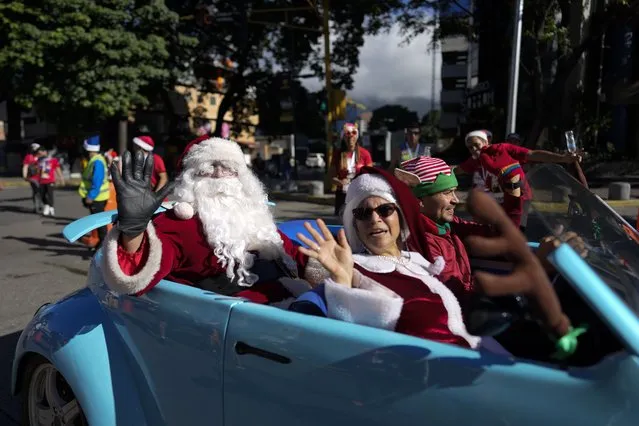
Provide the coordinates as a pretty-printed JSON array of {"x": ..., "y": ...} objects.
[{"x": 426, "y": 175}]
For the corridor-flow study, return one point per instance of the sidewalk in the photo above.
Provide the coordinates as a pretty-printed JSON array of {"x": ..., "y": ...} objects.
[{"x": 16, "y": 182}]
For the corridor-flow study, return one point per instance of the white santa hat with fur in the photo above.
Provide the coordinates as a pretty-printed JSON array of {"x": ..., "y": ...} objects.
[{"x": 209, "y": 149}]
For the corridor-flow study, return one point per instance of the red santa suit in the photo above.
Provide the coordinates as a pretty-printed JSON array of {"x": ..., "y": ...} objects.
[
  {"x": 504, "y": 160},
  {"x": 177, "y": 245}
]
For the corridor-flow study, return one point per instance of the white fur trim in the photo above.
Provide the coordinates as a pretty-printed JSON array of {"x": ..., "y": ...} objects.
[
  {"x": 477, "y": 134},
  {"x": 314, "y": 272},
  {"x": 418, "y": 267},
  {"x": 215, "y": 149},
  {"x": 370, "y": 303},
  {"x": 184, "y": 210},
  {"x": 91, "y": 148},
  {"x": 362, "y": 187},
  {"x": 115, "y": 278},
  {"x": 145, "y": 146},
  {"x": 451, "y": 304}
]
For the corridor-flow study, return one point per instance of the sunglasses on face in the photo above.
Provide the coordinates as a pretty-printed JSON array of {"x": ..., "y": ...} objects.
[
  {"x": 365, "y": 213},
  {"x": 350, "y": 133}
]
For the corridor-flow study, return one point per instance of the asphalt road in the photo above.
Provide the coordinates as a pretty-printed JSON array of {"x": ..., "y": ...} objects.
[{"x": 39, "y": 266}]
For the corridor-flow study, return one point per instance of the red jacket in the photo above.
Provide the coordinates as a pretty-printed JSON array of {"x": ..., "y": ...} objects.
[{"x": 446, "y": 241}]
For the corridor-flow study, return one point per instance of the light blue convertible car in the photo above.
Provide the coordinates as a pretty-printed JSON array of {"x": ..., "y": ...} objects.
[{"x": 183, "y": 356}]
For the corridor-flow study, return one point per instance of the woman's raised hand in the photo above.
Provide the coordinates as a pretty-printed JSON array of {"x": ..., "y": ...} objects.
[{"x": 334, "y": 255}]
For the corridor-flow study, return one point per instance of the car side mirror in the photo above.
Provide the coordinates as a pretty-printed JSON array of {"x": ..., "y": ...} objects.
[{"x": 491, "y": 316}]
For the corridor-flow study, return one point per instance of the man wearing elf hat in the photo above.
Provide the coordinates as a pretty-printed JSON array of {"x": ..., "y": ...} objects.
[
  {"x": 433, "y": 183},
  {"x": 220, "y": 227},
  {"x": 504, "y": 160},
  {"x": 159, "y": 177}
]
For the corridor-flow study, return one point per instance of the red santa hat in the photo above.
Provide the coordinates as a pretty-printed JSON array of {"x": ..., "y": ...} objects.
[
  {"x": 144, "y": 142},
  {"x": 482, "y": 134},
  {"x": 349, "y": 127},
  {"x": 208, "y": 149}
]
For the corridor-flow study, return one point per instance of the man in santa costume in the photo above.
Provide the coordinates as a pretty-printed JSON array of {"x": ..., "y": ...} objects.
[{"x": 221, "y": 227}]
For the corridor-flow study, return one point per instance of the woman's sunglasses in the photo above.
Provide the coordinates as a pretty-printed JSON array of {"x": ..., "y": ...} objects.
[{"x": 365, "y": 213}]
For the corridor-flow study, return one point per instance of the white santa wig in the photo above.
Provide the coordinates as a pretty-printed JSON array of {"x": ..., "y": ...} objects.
[
  {"x": 362, "y": 187},
  {"x": 231, "y": 203}
]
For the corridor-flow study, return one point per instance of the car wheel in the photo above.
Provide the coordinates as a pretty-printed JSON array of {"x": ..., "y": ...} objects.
[{"x": 47, "y": 398}]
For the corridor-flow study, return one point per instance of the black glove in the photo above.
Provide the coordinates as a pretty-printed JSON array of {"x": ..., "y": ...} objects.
[{"x": 136, "y": 200}]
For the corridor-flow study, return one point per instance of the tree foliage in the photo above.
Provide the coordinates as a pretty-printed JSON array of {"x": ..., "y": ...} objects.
[
  {"x": 555, "y": 38},
  {"x": 83, "y": 60},
  {"x": 393, "y": 118},
  {"x": 260, "y": 43}
]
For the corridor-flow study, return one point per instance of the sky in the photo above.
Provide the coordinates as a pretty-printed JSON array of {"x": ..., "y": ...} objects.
[{"x": 390, "y": 73}]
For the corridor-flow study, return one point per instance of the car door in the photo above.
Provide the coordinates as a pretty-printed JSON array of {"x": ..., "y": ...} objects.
[
  {"x": 174, "y": 337},
  {"x": 284, "y": 368}
]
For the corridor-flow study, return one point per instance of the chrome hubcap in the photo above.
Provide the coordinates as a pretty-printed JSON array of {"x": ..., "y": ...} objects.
[{"x": 51, "y": 401}]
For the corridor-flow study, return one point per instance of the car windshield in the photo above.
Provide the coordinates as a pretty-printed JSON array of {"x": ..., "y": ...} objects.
[{"x": 561, "y": 204}]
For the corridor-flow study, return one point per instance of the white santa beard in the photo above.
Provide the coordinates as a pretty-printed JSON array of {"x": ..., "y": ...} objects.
[{"x": 235, "y": 223}]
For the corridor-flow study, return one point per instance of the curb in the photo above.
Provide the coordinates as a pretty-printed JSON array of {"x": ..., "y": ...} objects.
[
  {"x": 546, "y": 207},
  {"x": 19, "y": 183}
]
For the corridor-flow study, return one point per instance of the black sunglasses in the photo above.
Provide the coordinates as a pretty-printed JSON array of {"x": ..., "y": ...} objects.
[{"x": 365, "y": 213}]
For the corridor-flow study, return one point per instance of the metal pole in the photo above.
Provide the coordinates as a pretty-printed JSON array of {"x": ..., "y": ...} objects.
[
  {"x": 511, "y": 123},
  {"x": 329, "y": 92}
]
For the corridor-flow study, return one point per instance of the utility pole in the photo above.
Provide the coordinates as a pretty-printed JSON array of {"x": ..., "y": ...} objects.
[
  {"x": 511, "y": 123},
  {"x": 329, "y": 95}
]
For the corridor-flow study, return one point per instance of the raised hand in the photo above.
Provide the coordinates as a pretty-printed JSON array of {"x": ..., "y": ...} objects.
[
  {"x": 335, "y": 256},
  {"x": 136, "y": 200},
  {"x": 528, "y": 275}
]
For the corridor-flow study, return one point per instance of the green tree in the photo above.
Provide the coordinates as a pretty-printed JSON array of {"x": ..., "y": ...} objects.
[
  {"x": 259, "y": 40},
  {"x": 392, "y": 117},
  {"x": 555, "y": 38},
  {"x": 79, "y": 62}
]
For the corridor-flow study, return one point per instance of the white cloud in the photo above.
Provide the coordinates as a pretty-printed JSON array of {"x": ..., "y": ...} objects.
[{"x": 391, "y": 73}]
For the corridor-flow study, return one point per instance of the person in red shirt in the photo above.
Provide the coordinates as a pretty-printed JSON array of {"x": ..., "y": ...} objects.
[
  {"x": 48, "y": 169},
  {"x": 160, "y": 177},
  {"x": 30, "y": 174},
  {"x": 347, "y": 162},
  {"x": 504, "y": 160}
]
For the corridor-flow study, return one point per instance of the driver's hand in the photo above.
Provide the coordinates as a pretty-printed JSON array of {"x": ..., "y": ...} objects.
[{"x": 549, "y": 243}]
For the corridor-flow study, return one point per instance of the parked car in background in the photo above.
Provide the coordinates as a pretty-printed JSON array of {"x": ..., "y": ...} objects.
[{"x": 315, "y": 160}]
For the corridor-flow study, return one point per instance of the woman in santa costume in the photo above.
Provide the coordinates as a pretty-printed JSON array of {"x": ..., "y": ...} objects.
[
  {"x": 221, "y": 226},
  {"x": 504, "y": 161},
  {"x": 388, "y": 284}
]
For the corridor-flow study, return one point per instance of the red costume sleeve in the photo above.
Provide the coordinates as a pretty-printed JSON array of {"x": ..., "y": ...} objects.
[
  {"x": 465, "y": 228},
  {"x": 519, "y": 153},
  {"x": 291, "y": 249},
  {"x": 137, "y": 273},
  {"x": 367, "y": 160},
  {"x": 469, "y": 166}
]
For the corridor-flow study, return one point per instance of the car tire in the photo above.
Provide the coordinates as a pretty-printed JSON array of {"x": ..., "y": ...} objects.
[{"x": 47, "y": 398}]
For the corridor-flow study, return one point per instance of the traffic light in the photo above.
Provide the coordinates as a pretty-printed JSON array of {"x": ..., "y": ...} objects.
[{"x": 339, "y": 104}]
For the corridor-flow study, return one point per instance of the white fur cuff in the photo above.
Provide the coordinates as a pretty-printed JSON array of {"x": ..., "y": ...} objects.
[
  {"x": 369, "y": 304},
  {"x": 115, "y": 278}
]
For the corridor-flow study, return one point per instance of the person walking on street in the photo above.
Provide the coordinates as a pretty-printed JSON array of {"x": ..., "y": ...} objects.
[
  {"x": 30, "y": 174},
  {"x": 94, "y": 188},
  {"x": 160, "y": 177},
  {"x": 48, "y": 169}
]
